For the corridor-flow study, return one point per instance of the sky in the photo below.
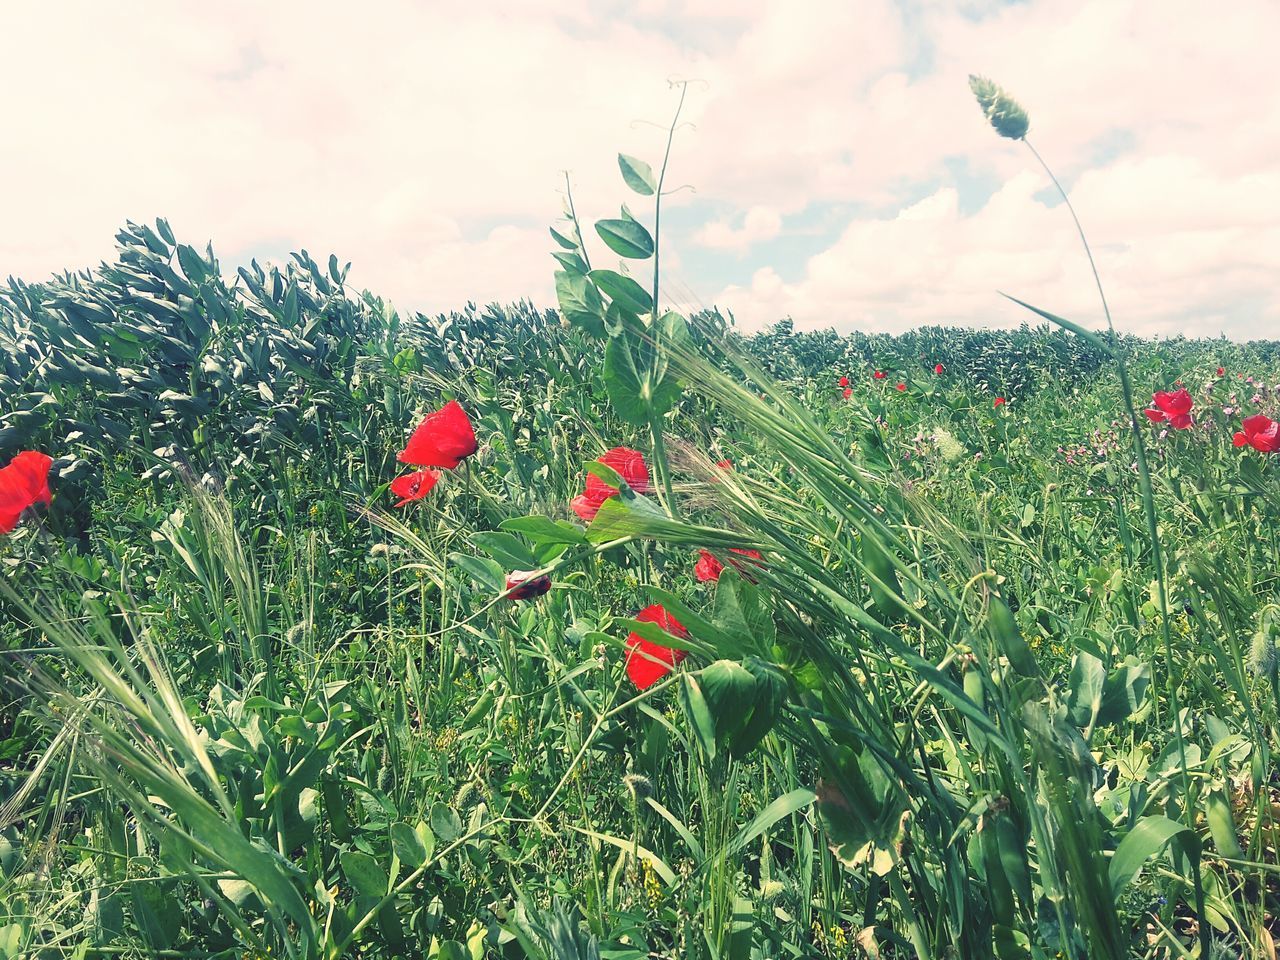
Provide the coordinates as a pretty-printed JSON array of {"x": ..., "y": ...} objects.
[{"x": 831, "y": 164}]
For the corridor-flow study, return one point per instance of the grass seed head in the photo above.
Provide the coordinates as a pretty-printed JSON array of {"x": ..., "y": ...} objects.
[{"x": 1004, "y": 113}]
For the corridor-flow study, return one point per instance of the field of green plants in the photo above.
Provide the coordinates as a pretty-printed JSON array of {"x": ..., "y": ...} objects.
[{"x": 607, "y": 632}]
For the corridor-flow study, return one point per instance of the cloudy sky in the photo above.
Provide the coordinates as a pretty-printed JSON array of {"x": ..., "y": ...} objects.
[{"x": 834, "y": 167}]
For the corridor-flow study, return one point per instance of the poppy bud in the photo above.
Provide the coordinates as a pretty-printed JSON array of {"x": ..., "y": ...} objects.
[{"x": 524, "y": 585}]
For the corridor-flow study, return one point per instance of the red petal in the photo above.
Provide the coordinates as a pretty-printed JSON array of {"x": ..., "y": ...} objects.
[
  {"x": 9, "y": 519},
  {"x": 629, "y": 465},
  {"x": 414, "y": 486},
  {"x": 657, "y": 613},
  {"x": 443, "y": 439},
  {"x": 585, "y": 507},
  {"x": 708, "y": 567},
  {"x": 30, "y": 470},
  {"x": 1155, "y": 416},
  {"x": 647, "y": 663},
  {"x": 1173, "y": 403},
  {"x": 1258, "y": 423},
  {"x": 1239, "y": 440}
]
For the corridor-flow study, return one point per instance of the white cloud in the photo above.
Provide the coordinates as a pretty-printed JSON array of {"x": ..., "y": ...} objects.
[
  {"x": 930, "y": 263},
  {"x": 759, "y": 223},
  {"x": 424, "y": 142}
]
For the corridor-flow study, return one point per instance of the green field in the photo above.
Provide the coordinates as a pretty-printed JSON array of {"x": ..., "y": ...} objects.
[{"x": 1000, "y": 681}]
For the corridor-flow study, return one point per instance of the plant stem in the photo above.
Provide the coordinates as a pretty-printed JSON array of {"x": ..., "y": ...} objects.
[
  {"x": 573, "y": 215},
  {"x": 657, "y": 197},
  {"x": 1153, "y": 532},
  {"x": 655, "y": 423}
]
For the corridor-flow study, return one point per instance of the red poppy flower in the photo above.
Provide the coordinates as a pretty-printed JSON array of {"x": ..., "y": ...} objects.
[
  {"x": 939, "y": 368},
  {"x": 443, "y": 439},
  {"x": 709, "y": 567},
  {"x": 901, "y": 388},
  {"x": 848, "y": 392},
  {"x": 414, "y": 486},
  {"x": 1173, "y": 407},
  {"x": 879, "y": 374},
  {"x": 725, "y": 464},
  {"x": 844, "y": 381},
  {"x": 649, "y": 662},
  {"x": 523, "y": 585},
  {"x": 1260, "y": 432},
  {"x": 1221, "y": 371},
  {"x": 998, "y": 402},
  {"x": 23, "y": 483},
  {"x": 629, "y": 464}
]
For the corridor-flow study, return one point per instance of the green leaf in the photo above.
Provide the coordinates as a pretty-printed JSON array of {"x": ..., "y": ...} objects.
[
  {"x": 626, "y": 238},
  {"x": 631, "y": 515},
  {"x": 445, "y": 822},
  {"x": 744, "y": 702},
  {"x": 1009, "y": 639},
  {"x": 659, "y": 865},
  {"x": 679, "y": 827},
  {"x": 1142, "y": 842},
  {"x": 603, "y": 471},
  {"x": 484, "y": 571},
  {"x": 783, "y": 806},
  {"x": 563, "y": 240},
  {"x": 1084, "y": 689},
  {"x": 449, "y": 950},
  {"x": 628, "y": 390},
  {"x": 365, "y": 874},
  {"x": 1075, "y": 328},
  {"x": 770, "y": 697},
  {"x": 883, "y": 579},
  {"x": 1222, "y": 825},
  {"x": 740, "y": 611},
  {"x": 545, "y": 530},
  {"x": 861, "y": 809},
  {"x": 413, "y": 845},
  {"x": 698, "y": 710},
  {"x": 1124, "y": 692},
  {"x": 506, "y": 549},
  {"x": 580, "y": 302},
  {"x": 192, "y": 264},
  {"x": 728, "y": 688},
  {"x": 623, "y": 291},
  {"x": 571, "y": 262},
  {"x": 638, "y": 175}
]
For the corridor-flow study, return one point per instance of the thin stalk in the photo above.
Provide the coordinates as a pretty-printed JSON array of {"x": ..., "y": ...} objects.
[
  {"x": 1153, "y": 533},
  {"x": 573, "y": 215},
  {"x": 657, "y": 197},
  {"x": 655, "y": 423}
]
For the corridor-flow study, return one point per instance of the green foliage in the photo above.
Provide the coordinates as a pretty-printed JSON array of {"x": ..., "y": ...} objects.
[{"x": 253, "y": 708}]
